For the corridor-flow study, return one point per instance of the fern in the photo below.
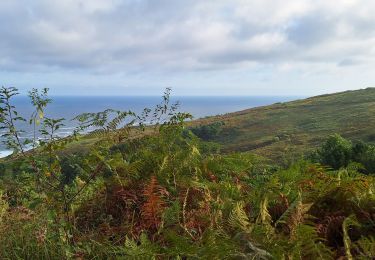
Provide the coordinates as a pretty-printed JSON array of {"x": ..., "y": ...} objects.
[
  {"x": 294, "y": 215},
  {"x": 348, "y": 222},
  {"x": 3, "y": 206},
  {"x": 264, "y": 216},
  {"x": 108, "y": 124},
  {"x": 119, "y": 119},
  {"x": 308, "y": 245},
  {"x": 154, "y": 205},
  {"x": 366, "y": 248},
  {"x": 145, "y": 249},
  {"x": 180, "y": 246},
  {"x": 238, "y": 218},
  {"x": 216, "y": 245}
]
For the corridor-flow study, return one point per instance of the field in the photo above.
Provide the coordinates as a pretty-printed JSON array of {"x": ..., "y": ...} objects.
[
  {"x": 123, "y": 193},
  {"x": 293, "y": 128}
]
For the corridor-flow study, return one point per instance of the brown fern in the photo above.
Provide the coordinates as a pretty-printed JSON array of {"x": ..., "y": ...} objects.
[
  {"x": 278, "y": 209},
  {"x": 331, "y": 230},
  {"x": 154, "y": 204},
  {"x": 196, "y": 212}
]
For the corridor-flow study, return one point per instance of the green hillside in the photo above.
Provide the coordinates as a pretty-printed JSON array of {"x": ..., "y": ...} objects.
[
  {"x": 161, "y": 193},
  {"x": 298, "y": 126}
]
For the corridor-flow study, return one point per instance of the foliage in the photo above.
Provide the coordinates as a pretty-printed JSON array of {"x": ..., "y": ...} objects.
[
  {"x": 293, "y": 129},
  {"x": 338, "y": 152},
  {"x": 335, "y": 152},
  {"x": 149, "y": 192},
  {"x": 364, "y": 154},
  {"x": 207, "y": 132}
]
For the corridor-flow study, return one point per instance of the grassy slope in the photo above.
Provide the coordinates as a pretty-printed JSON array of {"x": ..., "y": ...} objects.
[
  {"x": 282, "y": 130},
  {"x": 298, "y": 126}
]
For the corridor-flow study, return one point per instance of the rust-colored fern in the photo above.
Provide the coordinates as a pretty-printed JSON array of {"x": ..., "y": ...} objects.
[
  {"x": 331, "y": 230},
  {"x": 154, "y": 204},
  {"x": 279, "y": 208}
]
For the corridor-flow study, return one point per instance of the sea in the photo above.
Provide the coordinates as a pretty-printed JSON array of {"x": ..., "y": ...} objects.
[{"x": 68, "y": 107}]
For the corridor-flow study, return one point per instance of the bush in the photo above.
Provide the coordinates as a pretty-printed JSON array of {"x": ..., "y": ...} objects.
[
  {"x": 364, "y": 154},
  {"x": 208, "y": 132},
  {"x": 335, "y": 152},
  {"x": 2, "y": 168},
  {"x": 70, "y": 169}
]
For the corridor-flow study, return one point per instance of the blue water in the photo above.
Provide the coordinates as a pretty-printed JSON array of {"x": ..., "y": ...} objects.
[{"x": 69, "y": 107}]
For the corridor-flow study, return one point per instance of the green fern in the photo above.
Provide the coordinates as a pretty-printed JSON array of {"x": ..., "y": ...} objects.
[
  {"x": 238, "y": 218},
  {"x": 365, "y": 248},
  {"x": 3, "y": 206},
  {"x": 348, "y": 222},
  {"x": 145, "y": 249},
  {"x": 308, "y": 245},
  {"x": 264, "y": 216},
  {"x": 294, "y": 215}
]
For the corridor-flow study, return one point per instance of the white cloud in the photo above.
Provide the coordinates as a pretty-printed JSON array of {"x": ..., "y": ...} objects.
[{"x": 160, "y": 36}]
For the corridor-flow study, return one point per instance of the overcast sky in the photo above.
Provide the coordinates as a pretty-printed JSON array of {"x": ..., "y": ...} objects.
[{"x": 197, "y": 47}]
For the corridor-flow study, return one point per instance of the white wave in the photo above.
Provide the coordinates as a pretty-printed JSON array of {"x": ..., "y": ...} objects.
[
  {"x": 5, "y": 153},
  {"x": 66, "y": 128}
]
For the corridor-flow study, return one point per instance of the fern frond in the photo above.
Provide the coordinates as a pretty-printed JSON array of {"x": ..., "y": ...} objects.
[
  {"x": 145, "y": 249},
  {"x": 264, "y": 216},
  {"x": 308, "y": 245},
  {"x": 238, "y": 218},
  {"x": 3, "y": 206},
  {"x": 119, "y": 119},
  {"x": 98, "y": 133},
  {"x": 348, "y": 222},
  {"x": 366, "y": 248},
  {"x": 216, "y": 245},
  {"x": 154, "y": 204},
  {"x": 294, "y": 215}
]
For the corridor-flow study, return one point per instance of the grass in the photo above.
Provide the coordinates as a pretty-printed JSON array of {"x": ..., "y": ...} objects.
[
  {"x": 293, "y": 128},
  {"x": 161, "y": 197},
  {"x": 285, "y": 131}
]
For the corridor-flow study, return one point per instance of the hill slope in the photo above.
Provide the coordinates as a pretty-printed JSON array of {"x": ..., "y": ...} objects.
[{"x": 295, "y": 127}]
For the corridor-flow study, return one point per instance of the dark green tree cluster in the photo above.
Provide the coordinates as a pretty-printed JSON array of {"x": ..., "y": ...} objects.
[
  {"x": 208, "y": 132},
  {"x": 338, "y": 152}
]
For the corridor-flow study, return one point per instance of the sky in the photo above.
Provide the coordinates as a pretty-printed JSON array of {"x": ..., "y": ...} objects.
[{"x": 196, "y": 47}]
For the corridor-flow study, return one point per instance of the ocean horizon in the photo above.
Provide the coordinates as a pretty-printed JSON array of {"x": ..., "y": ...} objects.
[{"x": 68, "y": 107}]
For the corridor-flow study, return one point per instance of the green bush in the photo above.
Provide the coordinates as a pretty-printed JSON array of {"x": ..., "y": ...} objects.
[
  {"x": 364, "y": 154},
  {"x": 2, "y": 168},
  {"x": 208, "y": 132},
  {"x": 336, "y": 152}
]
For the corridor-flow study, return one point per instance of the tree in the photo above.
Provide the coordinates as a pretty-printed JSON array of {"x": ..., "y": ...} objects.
[
  {"x": 208, "y": 132},
  {"x": 364, "y": 154},
  {"x": 335, "y": 152}
]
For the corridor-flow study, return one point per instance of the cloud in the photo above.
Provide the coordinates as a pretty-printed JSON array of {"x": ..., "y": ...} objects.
[{"x": 160, "y": 36}]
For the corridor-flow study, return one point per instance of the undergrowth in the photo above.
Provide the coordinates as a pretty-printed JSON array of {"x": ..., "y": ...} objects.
[{"x": 142, "y": 194}]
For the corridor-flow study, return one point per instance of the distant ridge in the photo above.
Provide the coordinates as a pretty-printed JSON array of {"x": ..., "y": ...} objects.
[{"x": 298, "y": 126}]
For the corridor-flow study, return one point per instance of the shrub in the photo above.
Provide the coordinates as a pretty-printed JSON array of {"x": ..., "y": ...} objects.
[
  {"x": 2, "y": 168},
  {"x": 335, "y": 152},
  {"x": 364, "y": 154},
  {"x": 208, "y": 132}
]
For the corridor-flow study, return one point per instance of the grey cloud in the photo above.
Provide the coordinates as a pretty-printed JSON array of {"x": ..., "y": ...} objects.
[
  {"x": 165, "y": 35},
  {"x": 349, "y": 62},
  {"x": 311, "y": 30},
  {"x": 239, "y": 55}
]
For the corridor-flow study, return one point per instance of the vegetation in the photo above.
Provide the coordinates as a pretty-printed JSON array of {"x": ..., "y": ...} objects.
[
  {"x": 338, "y": 152},
  {"x": 159, "y": 192},
  {"x": 283, "y": 132},
  {"x": 208, "y": 132}
]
